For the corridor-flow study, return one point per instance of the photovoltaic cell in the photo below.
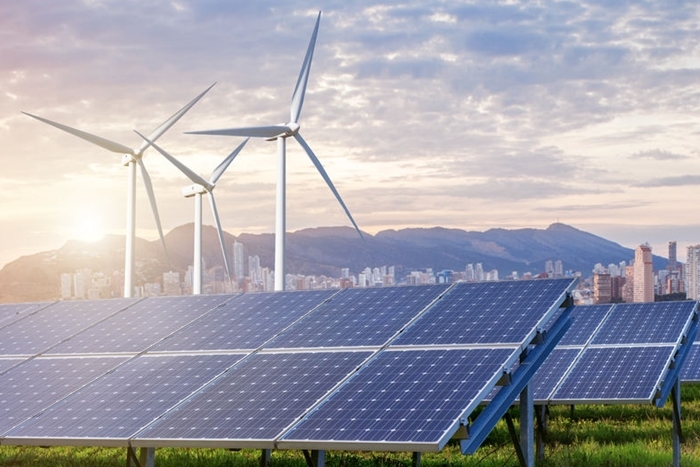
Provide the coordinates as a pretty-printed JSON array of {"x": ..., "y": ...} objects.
[
  {"x": 258, "y": 398},
  {"x": 585, "y": 320},
  {"x": 623, "y": 374},
  {"x": 141, "y": 325},
  {"x": 120, "y": 403},
  {"x": 38, "y": 383},
  {"x": 487, "y": 313},
  {"x": 404, "y": 396},
  {"x": 551, "y": 372},
  {"x": 645, "y": 323},
  {"x": 37, "y": 332},
  {"x": 245, "y": 322},
  {"x": 359, "y": 317}
]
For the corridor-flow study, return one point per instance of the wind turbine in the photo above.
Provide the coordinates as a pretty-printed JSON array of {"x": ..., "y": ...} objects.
[
  {"x": 131, "y": 158},
  {"x": 199, "y": 188},
  {"x": 281, "y": 132}
]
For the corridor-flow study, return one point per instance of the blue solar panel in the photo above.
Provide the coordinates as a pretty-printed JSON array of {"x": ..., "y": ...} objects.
[
  {"x": 487, "y": 313},
  {"x": 622, "y": 374},
  {"x": 586, "y": 319},
  {"x": 120, "y": 403},
  {"x": 38, "y": 383},
  {"x": 645, "y": 323},
  {"x": 691, "y": 368},
  {"x": 405, "y": 396},
  {"x": 245, "y": 322},
  {"x": 258, "y": 398},
  {"x": 359, "y": 317},
  {"x": 551, "y": 372},
  {"x": 13, "y": 311},
  {"x": 141, "y": 325},
  {"x": 39, "y": 331}
]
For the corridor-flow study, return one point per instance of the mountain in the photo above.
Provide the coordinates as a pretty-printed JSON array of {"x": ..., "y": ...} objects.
[{"x": 323, "y": 251}]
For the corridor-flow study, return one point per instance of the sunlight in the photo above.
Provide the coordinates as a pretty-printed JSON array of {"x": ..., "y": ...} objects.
[{"x": 88, "y": 227}]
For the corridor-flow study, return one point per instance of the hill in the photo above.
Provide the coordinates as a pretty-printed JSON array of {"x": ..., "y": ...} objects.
[{"x": 323, "y": 251}]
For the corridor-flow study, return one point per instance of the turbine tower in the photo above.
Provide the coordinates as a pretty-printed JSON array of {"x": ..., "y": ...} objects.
[
  {"x": 131, "y": 158},
  {"x": 199, "y": 188},
  {"x": 280, "y": 133}
]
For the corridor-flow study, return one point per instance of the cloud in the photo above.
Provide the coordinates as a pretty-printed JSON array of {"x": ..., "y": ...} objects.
[
  {"x": 681, "y": 180},
  {"x": 658, "y": 154}
]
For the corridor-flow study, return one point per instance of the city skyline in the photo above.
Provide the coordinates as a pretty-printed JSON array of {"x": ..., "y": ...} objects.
[{"x": 470, "y": 116}]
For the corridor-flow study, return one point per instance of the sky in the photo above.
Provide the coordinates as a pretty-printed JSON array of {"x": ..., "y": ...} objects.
[{"x": 461, "y": 114}]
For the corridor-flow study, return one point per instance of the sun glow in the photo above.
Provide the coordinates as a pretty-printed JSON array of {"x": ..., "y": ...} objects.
[{"x": 88, "y": 227}]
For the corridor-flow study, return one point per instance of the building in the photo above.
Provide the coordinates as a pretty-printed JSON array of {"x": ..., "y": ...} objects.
[
  {"x": 643, "y": 287},
  {"x": 602, "y": 288},
  {"x": 692, "y": 272},
  {"x": 238, "y": 261}
]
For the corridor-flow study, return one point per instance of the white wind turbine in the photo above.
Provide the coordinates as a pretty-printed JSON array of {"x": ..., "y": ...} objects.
[
  {"x": 199, "y": 188},
  {"x": 281, "y": 132},
  {"x": 130, "y": 159}
]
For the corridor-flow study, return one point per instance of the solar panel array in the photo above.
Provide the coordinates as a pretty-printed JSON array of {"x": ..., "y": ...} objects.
[
  {"x": 615, "y": 353},
  {"x": 362, "y": 368}
]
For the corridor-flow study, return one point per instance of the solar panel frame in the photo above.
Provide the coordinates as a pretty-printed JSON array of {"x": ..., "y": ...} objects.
[
  {"x": 382, "y": 312},
  {"x": 38, "y": 332},
  {"x": 638, "y": 327},
  {"x": 442, "y": 315},
  {"x": 36, "y": 384},
  {"x": 370, "y": 375},
  {"x": 251, "y": 319},
  {"x": 140, "y": 326},
  {"x": 590, "y": 374},
  {"x": 111, "y": 409},
  {"x": 226, "y": 394}
]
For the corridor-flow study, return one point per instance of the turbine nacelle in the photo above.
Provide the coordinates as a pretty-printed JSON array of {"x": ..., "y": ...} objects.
[
  {"x": 128, "y": 159},
  {"x": 196, "y": 189},
  {"x": 286, "y": 130}
]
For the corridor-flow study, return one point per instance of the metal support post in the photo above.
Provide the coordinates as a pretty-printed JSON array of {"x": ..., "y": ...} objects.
[
  {"x": 147, "y": 457},
  {"x": 542, "y": 414},
  {"x": 527, "y": 425},
  {"x": 515, "y": 439},
  {"x": 315, "y": 458},
  {"x": 416, "y": 459},
  {"x": 677, "y": 431},
  {"x": 265, "y": 457}
]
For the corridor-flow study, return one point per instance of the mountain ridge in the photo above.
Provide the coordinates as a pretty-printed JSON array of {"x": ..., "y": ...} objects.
[{"x": 323, "y": 251}]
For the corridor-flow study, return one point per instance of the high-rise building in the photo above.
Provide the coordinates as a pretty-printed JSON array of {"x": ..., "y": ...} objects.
[
  {"x": 643, "y": 287},
  {"x": 549, "y": 268},
  {"x": 558, "y": 268},
  {"x": 672, "y": 264},
  {"x": 692, "y": 272},
  {"x": 254, "y": 270},
  {"x": 602, "y": 288},
  {"x": 171, "y": 283},
  {"x": 238, "y": 260}
]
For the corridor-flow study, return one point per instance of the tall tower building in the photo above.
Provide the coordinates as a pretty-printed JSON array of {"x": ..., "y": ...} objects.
[
  {"x": 643, "y": 287},
  {"x": 238, "y": 260},
  {"x": 692, "y": 272},
  {"x": 672, "y": 264}
]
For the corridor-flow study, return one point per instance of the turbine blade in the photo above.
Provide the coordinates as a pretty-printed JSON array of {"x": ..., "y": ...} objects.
[
  {"x": 165, "y": 126},
  {"x": 183, "y": 168},
  {"x": 253, "y": 131},
  {"x": 300, "y": 88},
  {"x": 221, "y": 168},
  {"x": 154, "y": 206},
  {"x": 94, "y": 139},
  {"x": 325, "y": 176},
  {"x": 220, "y": 232}
]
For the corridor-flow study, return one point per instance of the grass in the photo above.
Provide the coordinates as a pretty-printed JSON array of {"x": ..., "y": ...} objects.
[{"x": 591, "y": 436}]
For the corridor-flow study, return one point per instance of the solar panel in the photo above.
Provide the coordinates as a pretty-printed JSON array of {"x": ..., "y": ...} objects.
[
  {"x": 36, "y": 384},
  {"x": 615, "y": 374},
  {"x": 37, "y": 332},
  {"x": 117, "y": 405},
  {"x": 487, "y": 313},
  {"x": 141, "y": 325},
  {"x": 586, "y": 320},
  {"x": 691, "y": 368},
  {"x": 645, "y": 323},
  {"x": 13, "y": 311},
  {"x": 410, "y": 396},
  {"x": 255, "y": 400},
  {"x": 245, "y": 322},
  {"x": 359, "y": 317}
]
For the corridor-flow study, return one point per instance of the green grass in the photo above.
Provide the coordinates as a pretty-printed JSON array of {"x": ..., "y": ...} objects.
[{"x": 591, "y": 436}]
